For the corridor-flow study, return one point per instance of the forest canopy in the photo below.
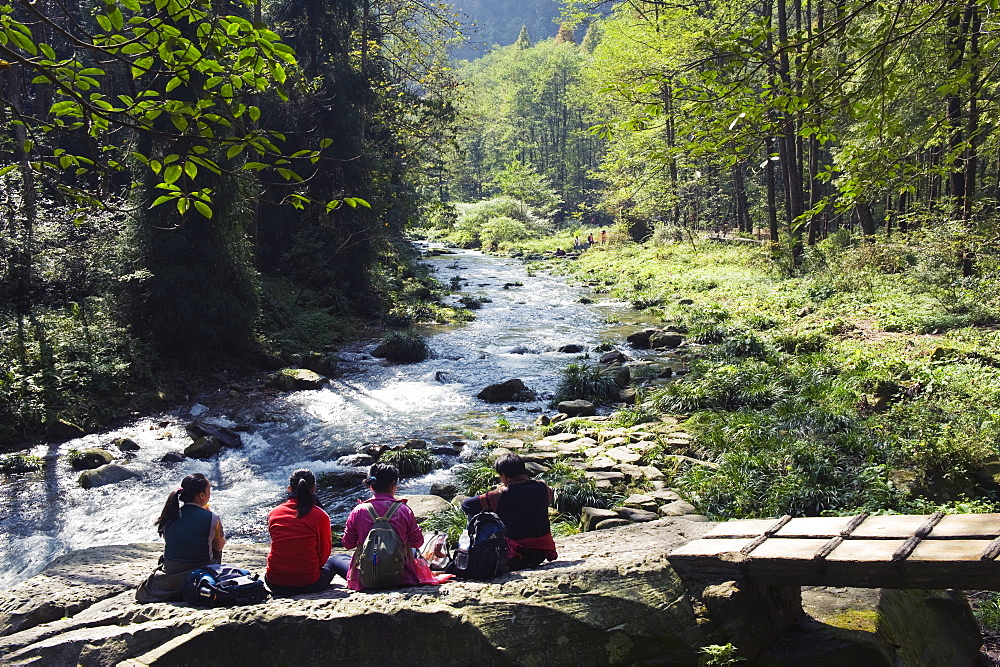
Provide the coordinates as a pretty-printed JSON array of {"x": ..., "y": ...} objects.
[{"x": 187, "y": 182}]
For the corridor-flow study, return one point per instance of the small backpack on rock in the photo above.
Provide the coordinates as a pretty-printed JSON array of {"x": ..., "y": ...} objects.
[
  {"x": 223, "y": 586},
  {"x": 381, "y": 558},
  {"x": 486, "y": 554}
]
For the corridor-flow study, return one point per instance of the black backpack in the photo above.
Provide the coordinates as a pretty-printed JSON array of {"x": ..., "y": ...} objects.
[
  {"x": 223, "y": 586},
  {"x": 486, "y": 557}
]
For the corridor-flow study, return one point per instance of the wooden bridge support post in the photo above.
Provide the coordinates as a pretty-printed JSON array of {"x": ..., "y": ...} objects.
[{"x": 751, "y": 616}]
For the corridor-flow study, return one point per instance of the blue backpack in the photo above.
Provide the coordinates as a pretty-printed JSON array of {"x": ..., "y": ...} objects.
[
  {"x": 486, "y": 555},
  {"x": 223, "y": 586}
]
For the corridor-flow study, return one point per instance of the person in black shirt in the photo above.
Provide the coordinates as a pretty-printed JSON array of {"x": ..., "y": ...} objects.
[{"x": 522, "y": 503}]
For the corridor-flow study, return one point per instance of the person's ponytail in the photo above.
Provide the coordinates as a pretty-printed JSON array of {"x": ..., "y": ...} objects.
[
  {"x": 304, "y": 498},
  {"x": 302, "y": 489}
]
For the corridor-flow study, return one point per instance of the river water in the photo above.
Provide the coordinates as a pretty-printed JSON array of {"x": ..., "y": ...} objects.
[{"x": 516, "y": 334}]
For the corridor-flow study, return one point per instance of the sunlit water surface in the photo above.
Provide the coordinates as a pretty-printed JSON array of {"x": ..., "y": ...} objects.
[{"x": 517, "y": 334}]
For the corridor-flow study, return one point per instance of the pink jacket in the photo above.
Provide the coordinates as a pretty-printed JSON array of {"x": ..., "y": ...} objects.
[{"x": 360, "y": 522}]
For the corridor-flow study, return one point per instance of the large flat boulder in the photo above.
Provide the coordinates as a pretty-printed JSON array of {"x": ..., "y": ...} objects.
[
  {"x": 610, "y": 598},
  {"x": 605, "y": 601}
]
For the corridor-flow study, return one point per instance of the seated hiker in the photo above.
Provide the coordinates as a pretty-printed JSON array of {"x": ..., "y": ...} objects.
[
  {"x": 400, "y": 566},
  {"x": 192, "y": 533},
  {"x": 301, "y": 541},
  {"x": 193, "y": 538},
  {"x": 522, "y": 503}
]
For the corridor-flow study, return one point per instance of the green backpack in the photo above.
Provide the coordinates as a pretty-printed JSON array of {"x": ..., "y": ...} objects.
[{"x": 381, "y": 558}]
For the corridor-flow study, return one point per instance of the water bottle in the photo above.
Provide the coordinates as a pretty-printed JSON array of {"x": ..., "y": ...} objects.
[{"x": 462, "y": 555}]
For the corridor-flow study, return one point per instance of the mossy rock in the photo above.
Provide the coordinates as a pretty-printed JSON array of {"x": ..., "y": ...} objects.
[
  {"x": 108, "y": 474},
  {"x": 127, "y": 444},
  {"x": 62, "y": 430},
  {"x": 204, "y": 447},
  {"x": 402, "y": 347},
  {"x": 291, "y": 379},
  {"x": 88, "y": 459}
]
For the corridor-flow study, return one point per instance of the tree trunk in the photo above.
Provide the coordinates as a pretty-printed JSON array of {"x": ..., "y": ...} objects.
[
  {"x": 866, "y": 220},
  {"x": 958, "y": 26},
  {"x": 787, "y": 145},
  {"x": 740, "y": 199},
  {"x": 772, "y": 205},
  {"x": 22, "y": 265},
  {"x": 972, "y": 127}
]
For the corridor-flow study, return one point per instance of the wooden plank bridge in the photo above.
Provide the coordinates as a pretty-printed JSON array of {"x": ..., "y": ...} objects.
[{"x": 934, "y": 551}]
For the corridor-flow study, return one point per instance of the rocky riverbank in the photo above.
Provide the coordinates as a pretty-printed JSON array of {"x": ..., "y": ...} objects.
[{"x": 610, "y": 598}]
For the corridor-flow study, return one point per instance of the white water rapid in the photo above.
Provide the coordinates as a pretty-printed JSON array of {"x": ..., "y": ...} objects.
[{"x": 517, "y": 334}]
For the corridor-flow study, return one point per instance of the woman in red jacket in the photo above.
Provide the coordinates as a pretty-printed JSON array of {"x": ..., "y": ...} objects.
[{"x": 301, "y": 541}]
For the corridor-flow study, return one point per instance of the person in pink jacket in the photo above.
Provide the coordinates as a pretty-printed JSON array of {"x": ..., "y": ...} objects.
[{"x": 383, "y": 480}]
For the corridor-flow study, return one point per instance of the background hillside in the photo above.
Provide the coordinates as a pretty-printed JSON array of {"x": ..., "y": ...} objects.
[{"x": 500, "y": 22}]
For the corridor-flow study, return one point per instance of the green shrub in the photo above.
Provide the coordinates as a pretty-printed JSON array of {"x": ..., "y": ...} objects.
[
  {"x": 740, "y": 344},
  {"x": 409, "y": 462},
  {"x": 583, "y": 381},
  {"x": 720, "y": 654},
  {"x": 573, "y": 491},
  {"x": 16, "y": 463},
  {"x": 632, "y": 415},
  {"x": 559, "y": 473},
  {"x": 987, "y": 611},
  {"x": 564, "y": 526},
  {"x": 705, "y": 333},
  {"x": 504, "y": 425},
  {"x": 463, "y": 238},
  {"x": 748, "y": 384},
  {"x": 402, "y": 347},
  {"x": 761, "y": 322},
  {"x": 807, "y": 342},
  {"x": 503, "y": 231},
  {"x": 574, "y": 425}
]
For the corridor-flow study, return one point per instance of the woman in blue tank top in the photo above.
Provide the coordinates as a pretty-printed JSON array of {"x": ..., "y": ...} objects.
[{"x": 192, "y": 533}]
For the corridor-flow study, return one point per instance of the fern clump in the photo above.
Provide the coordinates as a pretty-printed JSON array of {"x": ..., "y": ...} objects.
[
  {"x": 409, "y": 462},
  {"x": 402, "y": 347},
  {"x": 583, "y": 381},
  {"x": 477, "y": 477},
  {"x": 574, "y": 491}
]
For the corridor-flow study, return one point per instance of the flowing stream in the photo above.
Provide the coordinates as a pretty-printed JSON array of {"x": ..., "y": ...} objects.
[{"x": 516, "y": 334}]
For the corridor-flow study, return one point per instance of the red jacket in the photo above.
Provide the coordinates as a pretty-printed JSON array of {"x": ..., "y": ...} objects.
[{"x": 299, "y": 545}]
